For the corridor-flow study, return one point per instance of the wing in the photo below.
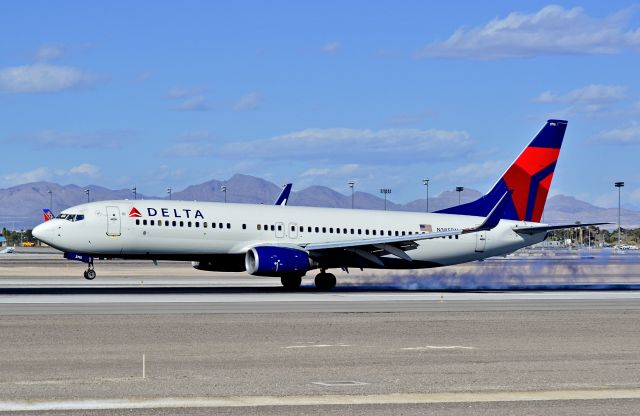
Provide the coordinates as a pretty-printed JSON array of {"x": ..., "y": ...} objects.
[{"x": 372, "y": 248}]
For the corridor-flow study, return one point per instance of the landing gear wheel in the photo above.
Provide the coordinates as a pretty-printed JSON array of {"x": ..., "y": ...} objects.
[
  {"x": 291, "y": 282},
  {"x": 85, "y": 275},
  {"x": 325, "y": 281},
  {"x": 90, "y": 274}
]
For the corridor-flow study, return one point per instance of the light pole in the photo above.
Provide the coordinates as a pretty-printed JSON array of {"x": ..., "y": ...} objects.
[
  {"x": 135, "y": 193},
  {"x": 385, "y": 192},
  {"x": 169, "y": 192},
  {"x": 50, "y": 199},
  {"x": 459, "y": 190},
  {"x": 425, "y": 182},
  {"x": 223, "y": 188},
  {"x": 619, "y": 185},
  {"x": 351, "y": 185},
  {"x": 88, "y": 192}
]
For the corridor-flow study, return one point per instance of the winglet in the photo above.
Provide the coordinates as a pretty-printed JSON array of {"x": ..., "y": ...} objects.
[
  {"x": 492, "y": 220},
  {"x": 284, "y": 195},
  {"x": 47, "y": 214}
]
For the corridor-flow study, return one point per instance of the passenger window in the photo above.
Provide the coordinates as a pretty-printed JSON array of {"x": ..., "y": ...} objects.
[
  {"x": 293, "y": 228},
  {"x": 159, "y": 223},
  {"x": 266, "y": 227},
  {"x": 144, "y": 222},
  {"x": 173, "y": 223},
  {"x": 374, "y": 232},
  {"x": 337, "y": 230},
  {"x": 181, "y": 223},
  {"x": 272, "y": 227},
  {"x": 259, "y": 227},
  {"x": 244, "y": 226},
  {"x": 213, "y": 225},
  {"x": 324, "y": 229},
  {"x": 197, "y": 224},
  {"x": 317, "y": 229},
  {"x": 359, "y": 231},
  {"x": 330, "y": 230},
  {"x": 204, "y": 224},
  {"x": 301, "y": 228},
  {"x": 344, "y": 231},
  {"x": 220, "y": 225},
  {"x": 152, "y": 222},
  {"x": 137, "y": 222},
  {"x": 228, "y": 226},
  {"x": 456, "y": 237},
  {"x": 389, "y": 232},
  {"x": 189, "y": 224},
  {"x": 166, "y": 223},
  {"x": 403, "y": 233},
  {"x": 397, "y": 233},
  {"x": 450, "y": 237},
  {"x": 410, "y": 232},
  {"x": 366, "y": 232},
  {"x": 352, "y": 231},
  {"x": 308, "y": 229}
]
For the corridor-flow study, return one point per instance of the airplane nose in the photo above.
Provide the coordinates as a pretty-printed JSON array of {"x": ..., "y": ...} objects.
[{"x": 43, "y": 232}]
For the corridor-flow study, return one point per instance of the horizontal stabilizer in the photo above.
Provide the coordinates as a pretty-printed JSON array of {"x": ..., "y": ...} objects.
[{"x": 542, "y": 228}]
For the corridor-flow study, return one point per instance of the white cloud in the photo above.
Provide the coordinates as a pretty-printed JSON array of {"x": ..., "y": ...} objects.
[
  {"x": 197, "y": 103},
  {"x": 188, "y": 99},
  {"x": 45, "y": 173},
  {"x": 331, "y": 47},
  {"x": 85, "y": 169},
  {"x": 591, "y": 94},
  {"x": 553, "y": 30},
  {"x": 247, "y": 102},
  {"x": 190, "y": 149},
  {"x": 35, "y": 175},
  {"x": 347, "y": 169},
  {"x": 476, "y": 172},
  {"x": 626, "y": 135},
  {"x": 50, "y": 52},
  {"x": 41, "y": 77},
  {"x": 108, "y": 139},
  {"x": 390, "y": 146}
]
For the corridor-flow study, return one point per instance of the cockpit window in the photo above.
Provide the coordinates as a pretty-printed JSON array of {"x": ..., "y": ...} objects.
[{"x": 71, "y": 217}]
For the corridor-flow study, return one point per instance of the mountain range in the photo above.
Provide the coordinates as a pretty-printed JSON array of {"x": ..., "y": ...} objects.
[{"x": 21, "y": 205}]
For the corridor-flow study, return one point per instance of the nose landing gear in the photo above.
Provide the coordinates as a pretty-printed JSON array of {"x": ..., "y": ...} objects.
[{"x": 90, "y": 274}]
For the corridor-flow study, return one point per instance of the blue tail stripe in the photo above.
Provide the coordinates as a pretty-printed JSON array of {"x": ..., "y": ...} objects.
[{"x": 533, "y": 188}]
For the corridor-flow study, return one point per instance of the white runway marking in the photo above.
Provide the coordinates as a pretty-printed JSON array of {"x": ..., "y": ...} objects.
[
  {"x": 316, "y": 346},
  {"x": 318, "y": 400},
  {"x": 439, "y": 347}
]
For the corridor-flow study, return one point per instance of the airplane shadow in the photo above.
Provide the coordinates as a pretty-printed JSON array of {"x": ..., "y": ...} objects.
[{"x": 128, "y": 290}]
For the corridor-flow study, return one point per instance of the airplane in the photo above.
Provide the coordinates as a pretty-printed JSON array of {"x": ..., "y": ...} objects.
[
  {"x": 8, "y": 250},
  {"x": 47, "y": 214},
  {"x": 288, "y": 241}
]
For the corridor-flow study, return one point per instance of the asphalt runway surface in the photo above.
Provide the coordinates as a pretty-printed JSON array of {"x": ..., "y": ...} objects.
[{"x": 234, "y": 344}]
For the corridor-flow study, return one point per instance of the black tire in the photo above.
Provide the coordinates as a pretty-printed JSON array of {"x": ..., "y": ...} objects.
[
  {"x": 291, "y": 282},
  {"x": 85, "y": 274},
  {"x": 90, "y": 274},
  {"x": 325, "y": 281}
]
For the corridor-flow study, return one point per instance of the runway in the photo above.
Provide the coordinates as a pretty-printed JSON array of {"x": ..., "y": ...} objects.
[{"x": 234, "y": 344}]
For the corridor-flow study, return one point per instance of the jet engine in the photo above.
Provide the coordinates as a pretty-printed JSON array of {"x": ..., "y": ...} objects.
[{"x": 277, "y": 261}]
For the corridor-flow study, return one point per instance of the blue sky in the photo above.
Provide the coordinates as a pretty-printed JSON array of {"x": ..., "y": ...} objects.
[{"x": 158, "y": 94}]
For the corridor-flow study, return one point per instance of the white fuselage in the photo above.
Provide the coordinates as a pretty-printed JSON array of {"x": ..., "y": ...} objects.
[{"x": 183, "y": 230}]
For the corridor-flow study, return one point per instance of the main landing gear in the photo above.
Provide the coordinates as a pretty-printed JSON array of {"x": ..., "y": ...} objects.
[
  {"x": 325, "y": 281},
  {"x": 291, "y": 282},
  {"x": 90, "y": 274}
]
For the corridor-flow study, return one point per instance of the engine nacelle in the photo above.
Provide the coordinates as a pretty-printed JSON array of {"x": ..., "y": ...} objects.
[{"x": 276, "y": 261}]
